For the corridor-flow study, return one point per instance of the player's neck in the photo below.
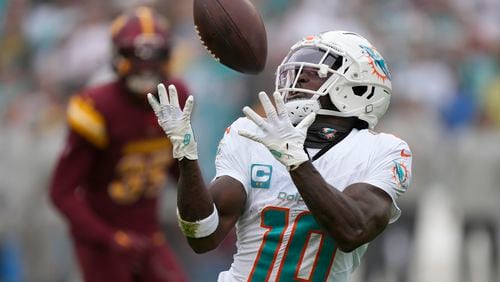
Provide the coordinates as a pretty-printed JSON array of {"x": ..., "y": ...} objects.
[
  {"x": 337, "y": 122},
  {"x": 326, "y": 131}
]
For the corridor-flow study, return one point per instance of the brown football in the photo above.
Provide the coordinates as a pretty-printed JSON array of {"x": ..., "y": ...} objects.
[{"x": 233, "y": 32}]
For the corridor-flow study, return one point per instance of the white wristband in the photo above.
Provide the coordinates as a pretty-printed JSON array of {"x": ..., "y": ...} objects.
[{"x": 200, "y": 228}]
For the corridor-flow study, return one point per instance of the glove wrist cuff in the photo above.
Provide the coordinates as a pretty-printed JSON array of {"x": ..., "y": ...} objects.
[
  {"x": 189, "y": 151},
  {"x": 293, "y": 157},
  {"x": 185, "y": 146},
  {"x": 297, "y": 162}
]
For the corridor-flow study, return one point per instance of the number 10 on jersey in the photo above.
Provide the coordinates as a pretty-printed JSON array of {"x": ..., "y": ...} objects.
[{"x": 303, "y": 229}]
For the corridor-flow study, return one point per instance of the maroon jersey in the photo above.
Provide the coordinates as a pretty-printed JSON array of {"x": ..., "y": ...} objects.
[{"x": 113, "y": 166}]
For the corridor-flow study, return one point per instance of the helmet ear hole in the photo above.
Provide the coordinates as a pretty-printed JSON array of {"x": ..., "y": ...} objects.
[
  {"x": 359, "y": 90},
  {"x": 371, "y": 93}
]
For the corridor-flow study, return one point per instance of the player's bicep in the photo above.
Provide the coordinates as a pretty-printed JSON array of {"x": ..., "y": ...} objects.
[
  {"x": 74, "y": 165},
  {"x": 227, "y": 188},
  {"x": 229, "y": 196},
  {"x": 76, "y": 158},
  {"x": 374, "y": 204}
]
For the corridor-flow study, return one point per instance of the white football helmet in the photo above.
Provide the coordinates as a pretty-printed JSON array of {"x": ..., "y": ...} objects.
[{"x": 357, "y": 78}]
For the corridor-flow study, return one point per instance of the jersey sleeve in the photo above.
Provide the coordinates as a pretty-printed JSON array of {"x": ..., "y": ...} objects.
[
  {"x": 390, "y": 171},
  {"x": 85, "y": 120},
  {"x": 231, "y": 158},
  {"x": 73, "y": 167}
]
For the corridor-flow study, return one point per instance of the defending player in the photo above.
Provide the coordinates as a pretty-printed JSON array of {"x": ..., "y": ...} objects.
[
  {"x": 116, "y": 160},
  {"x": 306, "y": 199}
]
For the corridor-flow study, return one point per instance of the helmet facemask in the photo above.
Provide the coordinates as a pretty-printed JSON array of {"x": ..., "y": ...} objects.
[
  {"x": 321, "y": 65},
  {"x": 147, "y": 57}
]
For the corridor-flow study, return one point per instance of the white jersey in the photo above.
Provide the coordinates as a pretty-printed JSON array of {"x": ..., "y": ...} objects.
[{"x": 278, "y": 239}]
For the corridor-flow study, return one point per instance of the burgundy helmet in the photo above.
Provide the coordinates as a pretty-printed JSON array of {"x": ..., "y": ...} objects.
[{"x": 141, "y": 46}]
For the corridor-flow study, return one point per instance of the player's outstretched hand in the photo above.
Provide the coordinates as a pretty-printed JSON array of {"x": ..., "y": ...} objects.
[
  {"x": 285, "y": 141},
  {"x": 175, "y": 122}
]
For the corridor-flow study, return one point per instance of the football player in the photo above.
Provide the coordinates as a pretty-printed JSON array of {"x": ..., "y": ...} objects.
[
  {"x": 308, "y": 186},
  {"x": 116, "y": 161}
]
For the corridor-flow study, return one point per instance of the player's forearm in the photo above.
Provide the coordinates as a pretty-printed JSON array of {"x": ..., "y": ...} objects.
[
  {"x": 335, "y": 211},
  {"x": 193, "y": 198},
  {"x": 82, "y": 221}
]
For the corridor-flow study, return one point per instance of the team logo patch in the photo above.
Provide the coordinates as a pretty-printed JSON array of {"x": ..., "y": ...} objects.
[
  {"x": 187, "y": 139},
  {"x": 405, "y": 153},
  {"x": 377, "y": 62},
  {"x": 260, "y": 176},
  {"x": 400, "y": 174},
  {"x": 218, "y": 154},
  {"x": 328, "y": 133}
]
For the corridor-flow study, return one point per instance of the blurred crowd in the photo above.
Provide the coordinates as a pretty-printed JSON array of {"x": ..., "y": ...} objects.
[{"x": 444, "y": 56}]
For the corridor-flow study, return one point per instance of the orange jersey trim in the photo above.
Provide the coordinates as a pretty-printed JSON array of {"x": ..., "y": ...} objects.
[
  {"x": 147, "y": 146},
  {"x": 87, "y": 121}
]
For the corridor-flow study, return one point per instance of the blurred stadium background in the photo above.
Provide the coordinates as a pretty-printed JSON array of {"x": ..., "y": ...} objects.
[{"x": 445, "y": 59}]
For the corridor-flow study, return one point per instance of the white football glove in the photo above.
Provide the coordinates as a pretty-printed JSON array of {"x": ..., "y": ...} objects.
[
  {"x": 175, "y": 122},
  {"x": 285, "y": 141}
]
